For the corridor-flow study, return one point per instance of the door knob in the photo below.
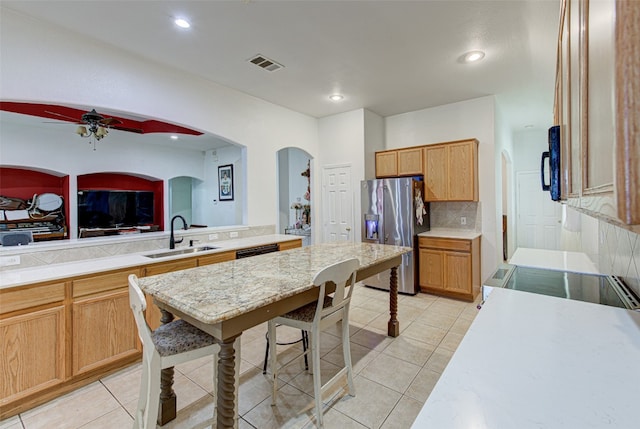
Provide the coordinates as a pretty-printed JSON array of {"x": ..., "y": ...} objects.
[{"x": 348, "y": 229}]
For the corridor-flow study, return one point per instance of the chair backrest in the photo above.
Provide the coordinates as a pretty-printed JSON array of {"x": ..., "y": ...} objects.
[
  {"x": 138, "y": 305},
  {"x": 339, "y": 273}
]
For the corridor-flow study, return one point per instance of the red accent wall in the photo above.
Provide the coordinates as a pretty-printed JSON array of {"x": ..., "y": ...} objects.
[
  {"x": 23, "y": 183},
  {"x": 125, "y": 182}
]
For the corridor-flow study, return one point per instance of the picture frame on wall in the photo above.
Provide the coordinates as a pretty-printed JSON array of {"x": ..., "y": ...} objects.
[{"x": 225, "y": 182}]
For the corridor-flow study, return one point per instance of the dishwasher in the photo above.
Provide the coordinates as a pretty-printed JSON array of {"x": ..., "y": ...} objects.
[{"x": 258, "y": 250}]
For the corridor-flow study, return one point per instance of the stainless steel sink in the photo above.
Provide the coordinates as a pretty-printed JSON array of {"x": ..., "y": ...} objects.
[{"x": 176, "y": 252}]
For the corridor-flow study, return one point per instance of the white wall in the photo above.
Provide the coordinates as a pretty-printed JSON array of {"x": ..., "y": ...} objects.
[
  {"x": 468, "y": 119},
  {"x": 373, "y": 142},
  {"x": 341, "y": 138},
  {"x": 42, "y": 63}
]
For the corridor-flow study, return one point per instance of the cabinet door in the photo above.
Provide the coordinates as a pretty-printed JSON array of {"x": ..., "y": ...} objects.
[
  {"x": 387, "y": 164},
  {"x": 430, "y": 270},
  {"x": 457, "y": 272},
  {"x": 104, "y": 331},
  {"x": 462, "y": 175},
  {"x": 32, "y": 353},
  {"x": 410, "y": 162},
  {"x": 598, "y": 106},
  {"x": 435, "y": 173}
]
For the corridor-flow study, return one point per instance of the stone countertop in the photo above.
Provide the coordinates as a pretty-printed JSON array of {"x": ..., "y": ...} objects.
[
  {"x": 576, "y": 262},
  {"x": 25, "y": 276},
  {"x": 218, "y": 292},
  {"x": 534, "y": 361},
  {"x": 451, "y": 233}
]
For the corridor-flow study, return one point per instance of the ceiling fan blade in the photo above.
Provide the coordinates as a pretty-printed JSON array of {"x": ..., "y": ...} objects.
[
  {"x": 110, "y": 121},
  {"x": 128, "y": 129},
  {"x": 63, "y": 116}
]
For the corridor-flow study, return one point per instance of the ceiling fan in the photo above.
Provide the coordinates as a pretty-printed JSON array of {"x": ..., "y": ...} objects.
[{"x": 91, "y": 123}]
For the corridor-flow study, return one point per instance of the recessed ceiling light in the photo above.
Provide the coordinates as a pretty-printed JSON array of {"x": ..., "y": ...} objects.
[
  {"x": 336, "y": 97},
  {"x": 182, "y": 23},
  {"x": 473, "y": 56},
  {"x": 174, "y": 137}
]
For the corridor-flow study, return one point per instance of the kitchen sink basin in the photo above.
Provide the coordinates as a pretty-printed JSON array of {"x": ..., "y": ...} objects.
[{"x": 176, "y": 252}]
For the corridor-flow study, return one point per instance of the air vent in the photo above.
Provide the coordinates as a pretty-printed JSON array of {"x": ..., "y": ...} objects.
[{"x": 265, "y": 63}]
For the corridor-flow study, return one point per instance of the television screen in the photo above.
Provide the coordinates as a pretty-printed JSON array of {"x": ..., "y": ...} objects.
[{"x": 110, "y": 209}]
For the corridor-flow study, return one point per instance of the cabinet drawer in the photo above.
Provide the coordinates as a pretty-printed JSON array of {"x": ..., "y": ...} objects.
[
  {"x": 445, "y": 243},
  {"x": 14, "y": 299},
  {"x": 101, "y": 283},
  {"x": 215, "y": 258},
  {"x": 167, "y": 267},
  {"x": 286, "y": 245}
]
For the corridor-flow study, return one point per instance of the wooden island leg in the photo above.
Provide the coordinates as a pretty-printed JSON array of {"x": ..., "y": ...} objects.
[
  {"x": 393, "y": 327},
  {"x": 167, "y": 409},
  {"x": 226, "y": 393}
]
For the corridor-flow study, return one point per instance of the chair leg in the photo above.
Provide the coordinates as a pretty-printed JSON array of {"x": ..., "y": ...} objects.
[
  {"x": 153, "y": 395},
  {"x": 143, "y": 398},
  {"x": 317, "y": 382},
  {"x": 346, "y": 352},
  {"x": 274, "y": 364},
  {"x": 305, "y": 346},
  {"x": 266, "y": 356}
]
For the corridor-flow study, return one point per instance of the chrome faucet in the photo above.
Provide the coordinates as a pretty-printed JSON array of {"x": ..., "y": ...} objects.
[{"x": 172, "y": 240}]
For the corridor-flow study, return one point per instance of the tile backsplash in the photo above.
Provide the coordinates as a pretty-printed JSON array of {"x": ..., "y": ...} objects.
[
  {"x": 619, "y": 254},
  {"x": 449, "y": 214}
]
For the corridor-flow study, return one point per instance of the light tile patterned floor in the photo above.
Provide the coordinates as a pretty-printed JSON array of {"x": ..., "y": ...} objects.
[{"x": 394, "y": 376}]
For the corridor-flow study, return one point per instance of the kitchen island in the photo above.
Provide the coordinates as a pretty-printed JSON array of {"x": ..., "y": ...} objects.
[
  {"x": 534, "y": 361},
  {"x": 227, "y": 298}
]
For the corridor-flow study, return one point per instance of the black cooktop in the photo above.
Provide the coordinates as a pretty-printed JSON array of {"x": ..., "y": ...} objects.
[{"x": 599, "y": 289}]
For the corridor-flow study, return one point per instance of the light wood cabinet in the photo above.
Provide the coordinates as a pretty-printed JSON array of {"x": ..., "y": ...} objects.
[
  {"x": 216, "y": 258},
  {"x": 104, "y": 330},
  {"x": 387, "y": 164},
  {"x": 596, "y": 79},
  {"x": 449, "y": 266},
  {"x": 167, "y": 267},
  {"x": 33, "y": 335},
  {"x": 451, "y": 171},
  {"x": 410, "y": 161},
  {"x": 286, "y": 245},
  {"x": 399, "y": 162}
]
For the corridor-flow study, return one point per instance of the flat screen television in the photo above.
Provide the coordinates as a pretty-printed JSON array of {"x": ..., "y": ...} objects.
[{"x": 111, "y": 209}]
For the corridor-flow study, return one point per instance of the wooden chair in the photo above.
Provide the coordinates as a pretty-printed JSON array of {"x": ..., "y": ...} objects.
[
  {"x": 169, "y": 345},
  {"x": 316, "y": 317}
]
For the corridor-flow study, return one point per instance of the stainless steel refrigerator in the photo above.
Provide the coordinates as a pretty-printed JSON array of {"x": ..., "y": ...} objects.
[{"x": 390, "y": 217}]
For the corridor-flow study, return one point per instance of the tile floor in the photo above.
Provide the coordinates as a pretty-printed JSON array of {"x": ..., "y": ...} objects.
[{"x": 393, "y": 376}]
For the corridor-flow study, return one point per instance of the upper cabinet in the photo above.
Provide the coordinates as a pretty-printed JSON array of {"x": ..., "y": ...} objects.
[
  {"x": 387, "y": 163},
  {"x": 597, "y": 107},
  {"x": 399, "y": 162},
  {"x": 451, "y": 171}
]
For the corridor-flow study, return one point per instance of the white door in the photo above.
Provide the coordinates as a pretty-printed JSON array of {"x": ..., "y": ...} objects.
[
  {"x": 337, "y": 199},
  {"x": 539, "y": 217}
]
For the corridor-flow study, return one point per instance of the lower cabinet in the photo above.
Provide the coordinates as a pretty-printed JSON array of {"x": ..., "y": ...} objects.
[
  {"x": 449, "y": 266},
  {"x": 104, "y": 331}
]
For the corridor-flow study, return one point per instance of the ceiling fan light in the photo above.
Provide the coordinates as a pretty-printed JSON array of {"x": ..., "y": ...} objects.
[
  {"x": 82, "y": 131},
  {"x": 101, "y": 132}
]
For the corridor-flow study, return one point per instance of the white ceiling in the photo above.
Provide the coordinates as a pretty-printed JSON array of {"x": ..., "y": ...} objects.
[{"x": 389, "y": 57}]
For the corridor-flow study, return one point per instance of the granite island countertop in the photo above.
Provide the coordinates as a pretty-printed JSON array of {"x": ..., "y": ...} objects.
[
  {"x": 218, "y": 292},
  {"x": 532, "y": 361},
  {"x": 25, "y": 276}
]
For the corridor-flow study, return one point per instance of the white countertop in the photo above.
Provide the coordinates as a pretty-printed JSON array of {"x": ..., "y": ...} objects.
[
  {"x": 533, "y": 361},
  {"x": 451, "y": 233},
  {"x": 24, "y": 276},
  {"x": 554, "y": 260}
]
